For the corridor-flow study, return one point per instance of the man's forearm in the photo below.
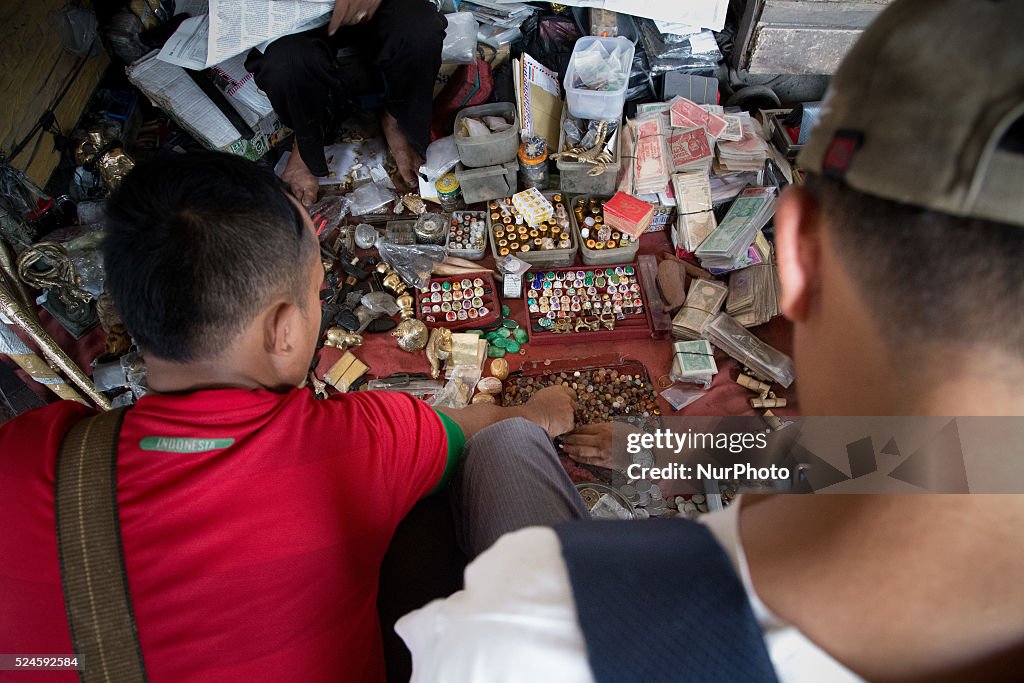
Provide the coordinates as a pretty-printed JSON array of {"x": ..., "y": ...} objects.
[{"x": 475, "y": 417}]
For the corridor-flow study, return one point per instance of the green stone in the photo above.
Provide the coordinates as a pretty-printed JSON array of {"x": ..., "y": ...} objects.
[
  {"x": 504, "y": 332},
  {"x": 446, "y": 285},
  {"x": 609, "y": 272},
  {"x": 491, "y": 336},
  {"x": 495, "y": 352},
  {"x": 513, "y": 347},
  {"x": 505, "y": 311},
  {"x": 501, "y": 343},
  {"x": 510, "y": 324},
  {"x": 520, "y": 335},
  {"x": 629, "y": 270}
]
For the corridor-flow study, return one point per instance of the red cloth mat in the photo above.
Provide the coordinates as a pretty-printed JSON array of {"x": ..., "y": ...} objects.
[{"x": 381, "y": 353}]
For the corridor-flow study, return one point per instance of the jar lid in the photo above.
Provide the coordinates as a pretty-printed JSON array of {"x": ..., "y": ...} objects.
[
  {"x": 523, "y": 158},
  {"x": 447, "y": 183}
]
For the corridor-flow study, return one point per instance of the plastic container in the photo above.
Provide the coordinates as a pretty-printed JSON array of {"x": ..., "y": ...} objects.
[
  {"x": 549, "y": 258},
  {"x": 488, "y": 150},
  {"x": 492, "y": 182},
  {"x": 600, "y": 257},
  {"x": 533, "y": 172},
  {"x": 597, "y": 104},
  {"x": 471, "y": 254},
  {"x": 574, "y": 174}
]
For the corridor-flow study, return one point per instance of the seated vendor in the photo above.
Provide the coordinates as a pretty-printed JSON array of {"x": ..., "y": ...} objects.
[
  {"x": 253, "y": 517},
  {"x": 303, "y": 80}
]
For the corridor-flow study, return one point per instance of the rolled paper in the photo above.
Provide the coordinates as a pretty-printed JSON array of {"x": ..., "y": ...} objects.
[
  {"x": 754, "y": 385},
  {"x": 767, "y": 403}
]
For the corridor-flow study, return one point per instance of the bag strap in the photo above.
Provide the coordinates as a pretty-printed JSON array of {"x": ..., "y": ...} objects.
[
  {"x": 659, "y": 600},
  {"x": 92, "y": 567}
]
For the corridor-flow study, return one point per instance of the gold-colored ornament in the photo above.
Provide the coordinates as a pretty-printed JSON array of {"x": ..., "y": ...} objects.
[
  {"x": 342, "y": 339},
  {"x": 483, "y": 398},
  {"x": 439, "y": 348},
  {"x": 499, "y": 368}
]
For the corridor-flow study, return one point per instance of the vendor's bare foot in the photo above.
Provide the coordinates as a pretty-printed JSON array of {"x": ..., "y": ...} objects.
[
  {"x": 408, "y": 160},
  {"x": 304, "y": 185}
]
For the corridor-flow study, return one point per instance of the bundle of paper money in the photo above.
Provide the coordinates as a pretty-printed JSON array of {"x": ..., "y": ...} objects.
[
  {"x": 693, "y": 362},
  {"x": 651, "y": 158},
  {"x": 695, "y": 219},
  {"x": 766, "y": 362},
  {"x": 628, "y": 214},
  {"x": 727, "y": 247},
  {"x": 703, "y": 301},
  {"x": 754, "y": 294},
  {"x": 690, "y": 149},
  {"x": 746, "y": 154}
]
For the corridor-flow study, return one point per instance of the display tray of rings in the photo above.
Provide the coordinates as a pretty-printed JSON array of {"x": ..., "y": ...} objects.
[
  {"x": 622, "y": 391},
  {"x": 467, "y": 301},
  {"x": 586, "y": 304}
]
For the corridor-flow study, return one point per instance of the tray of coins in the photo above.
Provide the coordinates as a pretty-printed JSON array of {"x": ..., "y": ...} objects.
[
  {"x": 552, "y": 243},
  {"x": 600, "y": 244},
  {"x": 586, "y": 304},
  {"x": 467, "y": 301},
  {"x": 603, "y": 394}
]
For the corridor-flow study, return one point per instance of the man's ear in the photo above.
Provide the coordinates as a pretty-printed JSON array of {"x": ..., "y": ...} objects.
[
  {"x": 798, "y": 251},
  {"x": 280, "y": 328}
]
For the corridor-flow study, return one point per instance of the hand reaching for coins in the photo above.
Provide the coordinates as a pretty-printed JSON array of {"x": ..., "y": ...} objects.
[
  {"x": 351, "y": 12},
  {"x": 592, "y": 445},
  {"x": 553, "y": 409}
]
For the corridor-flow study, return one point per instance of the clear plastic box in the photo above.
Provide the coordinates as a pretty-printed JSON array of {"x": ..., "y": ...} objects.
[
  {"x": 600, "y": 257},
  {"x": 471, "y": 254},
  {"x": 493, "y": 149},
  {"x": 597, "y": 104}
]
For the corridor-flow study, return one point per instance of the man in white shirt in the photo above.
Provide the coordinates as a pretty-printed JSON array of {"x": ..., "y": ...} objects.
[{"x": 900, "y": 268}]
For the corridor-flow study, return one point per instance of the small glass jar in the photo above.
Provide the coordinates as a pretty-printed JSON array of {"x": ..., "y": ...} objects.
[{"x": 449, "y": 193}]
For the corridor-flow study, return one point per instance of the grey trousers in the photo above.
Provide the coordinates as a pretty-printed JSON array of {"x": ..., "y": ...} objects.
[{"x": 510, "y": 478}]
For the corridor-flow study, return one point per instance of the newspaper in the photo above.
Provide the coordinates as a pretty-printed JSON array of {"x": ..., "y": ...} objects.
[
  {"x": 232, "y": 27},
  {"x": 171, "y": 89},
  {"x": 708, "y": 14}
]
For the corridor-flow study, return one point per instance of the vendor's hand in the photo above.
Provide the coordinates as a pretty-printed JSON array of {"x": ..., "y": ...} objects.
[
  {"x": 590, "y": 445},
  {"x": 552, "y": 408},
  {"x": 350, "y": 12}
]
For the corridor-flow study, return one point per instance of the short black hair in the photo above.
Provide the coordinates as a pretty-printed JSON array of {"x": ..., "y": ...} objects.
[
  {"x": 196, "y": 245},
  {"x": 928, "y": 276}
]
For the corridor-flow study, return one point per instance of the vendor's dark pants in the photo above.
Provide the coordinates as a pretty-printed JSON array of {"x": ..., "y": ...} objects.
[
  {"x": 510, "y": 478},
  {"x": 300, "y": 75}
]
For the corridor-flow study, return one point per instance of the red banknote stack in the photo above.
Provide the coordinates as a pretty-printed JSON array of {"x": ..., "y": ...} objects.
[{"x": 628, "y": 214}]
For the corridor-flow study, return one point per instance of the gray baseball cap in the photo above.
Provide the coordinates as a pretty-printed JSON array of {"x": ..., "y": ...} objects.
[{"x": 919, "y": 110}]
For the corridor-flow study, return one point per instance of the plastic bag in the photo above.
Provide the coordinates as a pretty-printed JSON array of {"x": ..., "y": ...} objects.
[
  {"x": 85, "y": 255},
  {"x": 333, "y": 209},
  {"x": 459, "y": 45},
  {"x": 459, "y": 389},
  {"x": 598, "y": 69},
  {"x": 679, "y": 397},
  {"x": 368, "y": 198},
  {"x": 413, "y": 263},
  {"x": 77, "y": 29},
  {"x": 442, "y": 155},
  {"x": 692, "y": 54}
]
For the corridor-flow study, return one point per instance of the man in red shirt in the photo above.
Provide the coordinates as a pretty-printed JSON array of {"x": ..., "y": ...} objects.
[{"x": 253, "y": 517}]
